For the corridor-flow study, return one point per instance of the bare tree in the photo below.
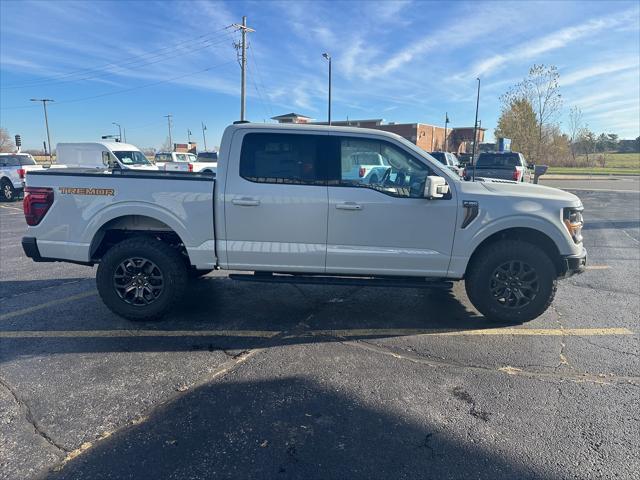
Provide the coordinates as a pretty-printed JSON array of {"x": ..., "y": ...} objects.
[
  {"x": 541, "y": 89},
  {"x": 6, "y": 143},
  {"x": 576, "y": 124}
]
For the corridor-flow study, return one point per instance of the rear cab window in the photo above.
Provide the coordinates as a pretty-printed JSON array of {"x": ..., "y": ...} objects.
[
  {"x": 283, "y": 158},
  {"x": 499, "y": 160}
]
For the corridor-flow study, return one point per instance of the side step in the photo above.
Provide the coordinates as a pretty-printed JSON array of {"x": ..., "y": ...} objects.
[{"x": 399, "y": 282}]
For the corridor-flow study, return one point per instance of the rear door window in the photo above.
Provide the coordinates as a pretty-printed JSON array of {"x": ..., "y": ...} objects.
[{"x": 283, "y": 158}]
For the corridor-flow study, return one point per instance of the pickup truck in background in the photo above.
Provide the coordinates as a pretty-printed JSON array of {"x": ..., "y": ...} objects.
[
  {"x": 99, "y": 155},
  {"x": 501, "y": 165},
  {"x": 367, "y": 167},
  {"x": 13, "y": 170},
  {"x": 173, "y": 161},
  {"x": 283, "y": 209}
]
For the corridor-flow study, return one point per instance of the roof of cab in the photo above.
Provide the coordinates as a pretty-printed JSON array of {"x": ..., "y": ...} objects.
[
  {"x": 311, "y": 127},
  {"x": 113, "y": 146}
]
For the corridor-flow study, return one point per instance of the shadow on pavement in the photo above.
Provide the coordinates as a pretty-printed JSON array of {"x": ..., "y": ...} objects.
[
  {"x": 286, "y": 428},
  {"x": 247, "y": 316},
  {"x": 614, "y": 224}
]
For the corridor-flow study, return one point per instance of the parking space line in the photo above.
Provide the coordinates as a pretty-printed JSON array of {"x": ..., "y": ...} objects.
[
  {"x": 355, "y": 333},
  {"x": 12, "y": 208},
  {"x": 35, "y": 308},
  {"x": 597, "y": 267}
]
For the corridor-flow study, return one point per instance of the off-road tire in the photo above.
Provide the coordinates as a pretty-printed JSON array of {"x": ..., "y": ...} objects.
[
  {"x": 480, "y": 275},
  {"x": 167, "y": 259},
  {"x": 7, "y": 192}
]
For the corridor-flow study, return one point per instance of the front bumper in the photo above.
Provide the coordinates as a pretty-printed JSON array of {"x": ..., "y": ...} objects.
[{"x": 575, "y": 263}]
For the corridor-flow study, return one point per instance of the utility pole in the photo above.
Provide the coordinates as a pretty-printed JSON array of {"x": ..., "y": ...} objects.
[
  {"x": 168, "y": 117},
  {"x": 328, "y": 57},
  {"x": 204, "y": 137},
  {"x": 475, "y": 129},
  {"x": 119, "y": 130},
  {"x": 446, "y": 122},
  {"x": 46, "y": 120},
  {"x": 243, "y": 63},
  {"x": 124, "y": 133}
]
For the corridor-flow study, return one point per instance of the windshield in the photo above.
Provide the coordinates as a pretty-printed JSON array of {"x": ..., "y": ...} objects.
[
  {"x": 192, "y": 158},
  {"x": 498, "y": 160},
  {"x": 132, "y": 158}
]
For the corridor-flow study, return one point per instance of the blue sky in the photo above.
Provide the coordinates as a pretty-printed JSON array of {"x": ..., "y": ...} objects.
[{"x": 404, "y": 61}]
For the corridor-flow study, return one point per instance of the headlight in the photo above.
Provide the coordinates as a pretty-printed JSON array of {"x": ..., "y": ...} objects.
[{"x": 572, "y": 219}]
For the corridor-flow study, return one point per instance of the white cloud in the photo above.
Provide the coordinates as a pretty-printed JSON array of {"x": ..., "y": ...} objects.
[
  {"x": 556, "y": 40},
  {"x": 599, "y": 69}
]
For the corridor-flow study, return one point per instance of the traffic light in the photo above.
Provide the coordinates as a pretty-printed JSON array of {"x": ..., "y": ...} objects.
[{"x": 18, "y": 141}]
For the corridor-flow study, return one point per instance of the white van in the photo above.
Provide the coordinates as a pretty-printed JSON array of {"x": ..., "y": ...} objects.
[{"x": 101, "y": 155}]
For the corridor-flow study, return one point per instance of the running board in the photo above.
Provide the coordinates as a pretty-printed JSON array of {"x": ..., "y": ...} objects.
[{"x": 402, "y": 282}]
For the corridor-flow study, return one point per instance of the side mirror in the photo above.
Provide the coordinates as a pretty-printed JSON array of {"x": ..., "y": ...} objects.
[{"x": 435, "y": 187}]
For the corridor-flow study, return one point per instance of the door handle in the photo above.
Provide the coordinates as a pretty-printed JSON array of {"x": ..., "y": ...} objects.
[
  {"x": 246, "y": 202},
  {"x": 348, "y": 206}
]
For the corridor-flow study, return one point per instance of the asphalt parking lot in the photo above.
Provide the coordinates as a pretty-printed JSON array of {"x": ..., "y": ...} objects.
[{"x": 278, "y": 381}]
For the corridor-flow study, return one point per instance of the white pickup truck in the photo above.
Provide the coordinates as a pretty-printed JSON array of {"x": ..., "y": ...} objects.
[{"x": 280, "y": 208}]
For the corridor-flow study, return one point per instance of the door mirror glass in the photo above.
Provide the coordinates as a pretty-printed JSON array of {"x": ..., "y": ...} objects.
[{"x": 435, "y": 187}]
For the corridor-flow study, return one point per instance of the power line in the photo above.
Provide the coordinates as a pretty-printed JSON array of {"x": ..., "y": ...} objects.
[
  {"x": 125, "y": 61},
  {"x": 116, "y": 92},
  {"x": 262, "y": 87},
  {"x": 207, "y": 44}
]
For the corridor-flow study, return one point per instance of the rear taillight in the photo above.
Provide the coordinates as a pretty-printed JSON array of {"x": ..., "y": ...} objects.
[
  {"x": 516, "y": 175},
  {"x": 37, "y": 201},
  {"x": 190, "y": 167},
  {"x": 362, "y": 172},
  {"x": 21, "y": 173}
]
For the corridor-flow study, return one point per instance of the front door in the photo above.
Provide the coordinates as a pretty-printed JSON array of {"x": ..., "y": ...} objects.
[
  {"x": 382, "y": 224},
  {"x": 276, "y": 204}
]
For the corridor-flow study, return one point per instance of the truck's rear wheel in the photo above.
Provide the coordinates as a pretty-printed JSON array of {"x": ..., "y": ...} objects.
[
  {"x": 511, "y": 281},
  {"x": 141, "y": 278},
  {"x": 7, "y": 192}
]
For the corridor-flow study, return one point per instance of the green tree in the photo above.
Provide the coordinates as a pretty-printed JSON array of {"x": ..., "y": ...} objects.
[
  {"x": 518, "y": 122},
  {"x": 540, "y": 88}
]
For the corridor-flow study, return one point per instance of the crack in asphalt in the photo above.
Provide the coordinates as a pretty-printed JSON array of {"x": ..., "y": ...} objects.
[
  {"x": 576, "y": 377},
  {"x": 28, "y": 416}
]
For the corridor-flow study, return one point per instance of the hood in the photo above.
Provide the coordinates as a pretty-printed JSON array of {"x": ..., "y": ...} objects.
[{"x": 530, "y": 190}]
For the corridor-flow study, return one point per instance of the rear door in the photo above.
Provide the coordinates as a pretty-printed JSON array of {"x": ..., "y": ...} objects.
[
  {"x": 276, "y": 202},
  {"x": 387, "y": 227}
]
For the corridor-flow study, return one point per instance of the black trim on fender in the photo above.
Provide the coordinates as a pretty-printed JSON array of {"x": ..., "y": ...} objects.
[
  {"x": 30, "y": 247},
  {"x": 574, "y": 264}
]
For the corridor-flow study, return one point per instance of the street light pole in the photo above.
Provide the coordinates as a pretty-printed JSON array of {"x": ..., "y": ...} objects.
[
  {"x": 204, "y": 137},
  {"x": 328, "y": 57},
  {"x": 46, "y": 120},
  {"x": 446, "y": 121},
  {"x": 475, "y": 137},
  {"x": 119, "y": 130},
  {"x": 168, "y": 117}
]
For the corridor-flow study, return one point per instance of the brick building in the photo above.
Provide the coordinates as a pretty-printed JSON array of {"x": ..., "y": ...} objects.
[{"x": 428, "y": 137}]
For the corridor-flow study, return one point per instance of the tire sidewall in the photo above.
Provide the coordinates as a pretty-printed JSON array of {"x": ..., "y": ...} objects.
[
  {"x": 172, "y": 283},
  {"x": 3, "y": 185},
  {"x": 480, "y": 292}
]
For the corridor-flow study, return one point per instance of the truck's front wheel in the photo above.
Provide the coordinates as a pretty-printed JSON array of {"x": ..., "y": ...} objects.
[
  {"x": 511, "y": 281},
  {"x": 141, "y": 278}
]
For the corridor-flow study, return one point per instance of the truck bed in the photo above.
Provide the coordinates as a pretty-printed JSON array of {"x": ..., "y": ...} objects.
[{"x": 88, "y": 202}]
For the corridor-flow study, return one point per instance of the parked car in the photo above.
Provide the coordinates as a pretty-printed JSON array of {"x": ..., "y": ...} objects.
[
  {"x": 450, "y": 160},
  {"x": 364, "y": 167},
  {"x": 501, "y": 165},
  {"x": 206, "y": 162},
  {"x": 13, "y": 170},
  {"x": 173, "y": 161},
  {"x": 99, "y": 155},
  {"x": 283, "y": 208}
]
